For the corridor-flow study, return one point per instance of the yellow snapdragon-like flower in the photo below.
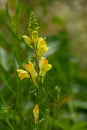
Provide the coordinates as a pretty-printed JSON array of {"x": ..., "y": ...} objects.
[
  {"x": 27, "y": 41},
  {"x": 44, "y": 67},
  {"x": 34, "y": 38},
  {"x": 36, "y": 113},
  {"x": 30, "y": 68},
  {"x": 22, "y": 74},
  {"x": 41, "y": 47}
]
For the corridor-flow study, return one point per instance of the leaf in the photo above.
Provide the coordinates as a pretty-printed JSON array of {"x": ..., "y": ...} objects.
[
  {"x": 4, "y": 59},
  {"x": 79, "y": 126},
  {"x": 7, "y": 80}
]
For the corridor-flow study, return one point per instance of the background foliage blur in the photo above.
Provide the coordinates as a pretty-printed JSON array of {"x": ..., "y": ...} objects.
[{"x": 64, "y": 23}]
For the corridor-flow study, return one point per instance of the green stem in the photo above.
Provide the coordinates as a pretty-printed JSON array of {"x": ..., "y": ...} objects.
[
  {"x": 36, "y": 94},
  {"x": 9, "y": 124},
  {"x": 36, "y": 61},
  {"x": 20, "y": 107},
  {"x": 37, "y": 69}
]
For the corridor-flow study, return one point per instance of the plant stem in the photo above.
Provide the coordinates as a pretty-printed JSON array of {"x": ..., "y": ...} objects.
[
  {"x": 9, "y": 124},
  {"x": 37, "y": 69},
  {"x": 20, "y": 106},
  {"x": 36, "y": 61}
]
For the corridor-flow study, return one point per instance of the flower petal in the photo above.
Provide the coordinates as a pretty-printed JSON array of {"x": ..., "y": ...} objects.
[
  {"x": 30, "y": 68},
  {"x": 44, "y": 67},
  {"x": 27, "y": 40},
  {"x": 42, "y": 47},
  {"x": 22, "y": 74},
  {"x": 34, "y": 38}
]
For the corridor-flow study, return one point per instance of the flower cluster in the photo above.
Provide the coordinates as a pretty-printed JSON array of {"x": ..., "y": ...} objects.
[
  {"x": 40, "y": 47},
  {"x": 36, "y": 71}
]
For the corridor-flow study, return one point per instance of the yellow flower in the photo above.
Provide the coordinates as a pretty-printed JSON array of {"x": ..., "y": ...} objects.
[
  {"x": 44, "y": 67},
  {"x": 22, "y": 74},
  {"x": 36, "y": 113},
  {"x": 27, "y": 40},
  {"x": 34, "y": 38},
  {"x": 30, "y": 68},
  {"x": 41, "y": 46}
]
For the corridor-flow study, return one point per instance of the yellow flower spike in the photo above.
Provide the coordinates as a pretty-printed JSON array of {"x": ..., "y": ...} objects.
[
  {"x": 44, "y": 67},
  {"x": 42, "y": 47},
  {"x": 36, "y": 113},
  {"x": 30, "y": 68},
  {"x": 22, "y": 74},
  {"x": 27, "y": 40},
  {"x": 34, "y": 38}
]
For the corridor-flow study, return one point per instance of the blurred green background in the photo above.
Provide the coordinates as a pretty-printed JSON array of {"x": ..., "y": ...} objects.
[{"x": 64, "y": 24}]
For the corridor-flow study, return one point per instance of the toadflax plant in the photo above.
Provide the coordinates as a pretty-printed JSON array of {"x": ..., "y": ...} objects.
[{"x": 37, "y": 70}]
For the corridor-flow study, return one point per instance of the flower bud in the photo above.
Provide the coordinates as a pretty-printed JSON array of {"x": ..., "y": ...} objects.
[
  {"x": 27, "y": 40},
  {"x": 34, "y": 38},
  {"x": 36, "y": 113}
]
